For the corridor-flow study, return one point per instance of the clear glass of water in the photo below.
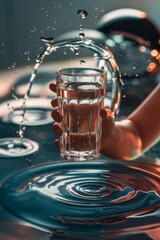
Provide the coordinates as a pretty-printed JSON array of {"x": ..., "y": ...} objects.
[{"x": 81, "y": 93}]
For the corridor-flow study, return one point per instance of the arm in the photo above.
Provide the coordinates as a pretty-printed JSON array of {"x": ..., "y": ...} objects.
[
  {"x": 129, "y": 138},
  {"x": 136, "y": 134}
]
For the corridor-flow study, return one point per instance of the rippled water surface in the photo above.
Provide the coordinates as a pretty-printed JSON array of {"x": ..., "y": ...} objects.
[
  {"x": 17, "y": 147},
  {"x": 91, "y": 197}
]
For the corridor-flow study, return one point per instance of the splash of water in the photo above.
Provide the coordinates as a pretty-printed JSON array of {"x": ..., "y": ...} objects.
[
  {"x": 17, "y": 147},
  {"x": 106, "y": 61},
  {"x": 39, "y": 61}
]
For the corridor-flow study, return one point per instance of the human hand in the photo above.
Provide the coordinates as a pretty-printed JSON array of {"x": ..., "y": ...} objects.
[
  {"x": 108, "y": 123},
  {"x": 56, "y": 116}
]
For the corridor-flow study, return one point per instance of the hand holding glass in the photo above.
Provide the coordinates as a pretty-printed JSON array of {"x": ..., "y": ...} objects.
[{"x": 81, "y": 93}]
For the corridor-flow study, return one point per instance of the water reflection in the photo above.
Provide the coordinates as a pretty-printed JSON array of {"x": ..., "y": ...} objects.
[
  {"x": 15, "y": 231},
  {"x": 91, "y": 200}
]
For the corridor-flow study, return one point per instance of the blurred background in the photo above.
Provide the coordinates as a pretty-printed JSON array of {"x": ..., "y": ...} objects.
[{"x": 24, "y": 22}]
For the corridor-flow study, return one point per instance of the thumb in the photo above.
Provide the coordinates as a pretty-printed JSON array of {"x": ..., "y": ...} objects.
[{"x": 108, "y": 125}]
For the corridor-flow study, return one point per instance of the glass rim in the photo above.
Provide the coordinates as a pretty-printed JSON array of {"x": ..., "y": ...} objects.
[{"x": 77, "y": 71}]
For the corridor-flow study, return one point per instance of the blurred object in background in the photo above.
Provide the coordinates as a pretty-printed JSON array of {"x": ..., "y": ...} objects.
[
  {"x": 40, "y": 87},
  {"x": 132, "y": 24},
  {"x": 135, "y": 43}
]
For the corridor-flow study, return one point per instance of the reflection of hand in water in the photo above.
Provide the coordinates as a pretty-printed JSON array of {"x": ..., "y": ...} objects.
[{"x": 129, "y": 138}]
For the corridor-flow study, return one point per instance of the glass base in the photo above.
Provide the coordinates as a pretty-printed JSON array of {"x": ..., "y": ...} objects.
[{"x": 80, "y": 156}]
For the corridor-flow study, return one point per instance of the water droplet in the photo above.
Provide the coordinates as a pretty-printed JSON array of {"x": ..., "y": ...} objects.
[
  {"x": 81, "y": 35},
  {"x": 88, "y": 42},
  {"x": 47, "y": 40},
  {"x": 75, "y": 49},
  {"x": 95, "y": 8},
  {"x": 82, "y": 13},
  {"x": 14, "y": 96},
  {"x": 82, "y": 61},
  {"x": 81, "y": 27},
  {"x": 21, "y": 133},
  {"x": 95, "y": 55}
]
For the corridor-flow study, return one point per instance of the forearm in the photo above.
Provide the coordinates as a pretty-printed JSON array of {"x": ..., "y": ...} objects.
[
  {"x": 138, "y": 133},
  {"x": 125, "y": 142}
]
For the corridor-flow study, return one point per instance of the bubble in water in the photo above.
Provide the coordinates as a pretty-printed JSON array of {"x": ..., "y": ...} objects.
[
  {"x": 82, "y": 13},
  {"x": 17, "y": 147}
]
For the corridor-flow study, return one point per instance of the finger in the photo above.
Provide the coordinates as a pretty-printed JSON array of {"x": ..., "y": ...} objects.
[
  {"x": 54, "y": 102},
  {"x": 56, "y": 116},
  {"x": 57, "y": 143},
  {"x": 57, "y": 129},
  {"x": 52, "y": 87},
  {"x": 106, "y": 114},
  {"x": 107, "y": 126}
]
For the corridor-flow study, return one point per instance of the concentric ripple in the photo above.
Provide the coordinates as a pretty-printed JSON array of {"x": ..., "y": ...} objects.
[
  {"x": 17, "y": 147},
  {"x": 79, "y": 196},
  {"x": 38, "y": 112}
]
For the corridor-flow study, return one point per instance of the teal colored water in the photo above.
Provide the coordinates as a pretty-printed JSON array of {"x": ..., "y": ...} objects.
[{"x": 86, "y": 198}]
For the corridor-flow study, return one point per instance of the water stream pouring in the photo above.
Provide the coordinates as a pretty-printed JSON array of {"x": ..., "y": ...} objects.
[{"x": 106, "y": 61}]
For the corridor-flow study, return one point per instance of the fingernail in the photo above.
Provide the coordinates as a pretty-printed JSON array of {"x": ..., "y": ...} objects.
[
  {"x": 106, "y": 113},
  {"x": 57, "y": 142}
]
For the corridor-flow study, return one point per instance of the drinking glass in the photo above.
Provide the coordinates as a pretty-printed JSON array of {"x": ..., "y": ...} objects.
[{"x": 81, "y": 93}]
